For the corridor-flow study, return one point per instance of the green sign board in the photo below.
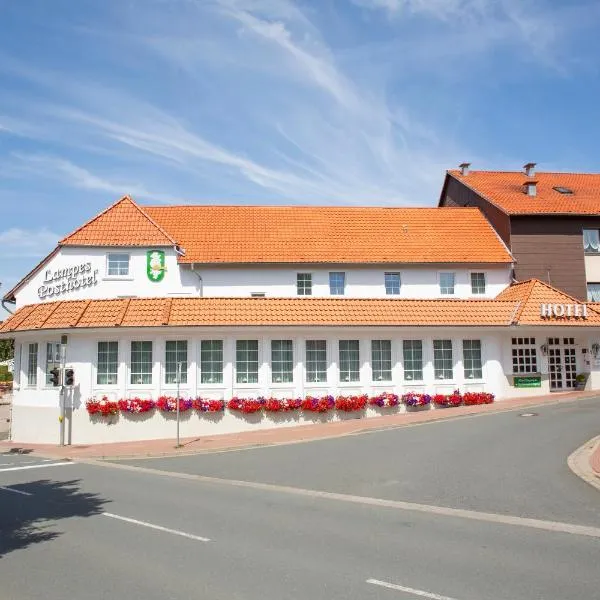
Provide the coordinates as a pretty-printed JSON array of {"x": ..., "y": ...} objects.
[
  {"x": 155, "y": 265},
  {"x": 528, "y": 382}
]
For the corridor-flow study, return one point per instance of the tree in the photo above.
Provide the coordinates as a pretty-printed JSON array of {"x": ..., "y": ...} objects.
[{"x": 7, "y": 349}]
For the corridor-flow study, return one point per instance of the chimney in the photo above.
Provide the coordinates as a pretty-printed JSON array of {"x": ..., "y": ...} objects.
[
  {"x": 531, "y": 188},
  {"x": 464, "y": 168},
  {"x": 530, "y": 169}
]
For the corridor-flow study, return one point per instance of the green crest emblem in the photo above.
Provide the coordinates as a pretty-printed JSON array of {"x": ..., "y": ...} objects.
[{"x": 155, "y": 265}]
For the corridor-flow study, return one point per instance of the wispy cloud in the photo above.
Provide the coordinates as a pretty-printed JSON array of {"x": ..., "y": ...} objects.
[{"x": 16, "y": 242}]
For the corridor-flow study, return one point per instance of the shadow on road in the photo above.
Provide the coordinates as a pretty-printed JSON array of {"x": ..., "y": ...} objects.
[{"x": 27, "y": 520}]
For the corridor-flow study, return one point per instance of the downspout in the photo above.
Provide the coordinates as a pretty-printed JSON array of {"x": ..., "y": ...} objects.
[
  {"x": 197, "y": 274},
  {"x": 3, "y": 302}
]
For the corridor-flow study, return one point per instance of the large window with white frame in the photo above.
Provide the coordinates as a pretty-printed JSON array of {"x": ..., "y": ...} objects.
[
  {"x": 442, "y": 359},
  {"x": 477, "y": 284},
  {"x": 32, "y": 364},
  {"x": 246, "y": 361},
  {"x": 141, "y": 363},
  {"x": 282, "y": 361},
  {"x": 337, "y": 283},
  {"x": 412, "y": 355},
  {"x": 591, "y": 241},
  {"x": 472, "y": 359},
  {"x": 593, "y": 292},
  {"x": 381, "y": 360},
  {"x": 211, "y": 361},
  {"x": 108, "y": 363},
  {"x": 447, "y": 281},
  {"x": 349, "y": 360},
  {"x": 524, "y": 355},
  {"x": 176, "y": 353},
  {"x": 304, "y": 284},
  {"x": 117, "y": 264},
  {"x": 52, "y": 359},
  {"x": 316, "y": 361}
]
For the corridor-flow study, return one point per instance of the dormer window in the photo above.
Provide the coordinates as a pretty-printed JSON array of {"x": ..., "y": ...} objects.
[
  {"x": 563, "y": 190},
  {"x": 117, "y": 264}
]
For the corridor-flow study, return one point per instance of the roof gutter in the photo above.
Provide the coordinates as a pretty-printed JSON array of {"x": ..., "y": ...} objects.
[{"x": 4, "y": 301}]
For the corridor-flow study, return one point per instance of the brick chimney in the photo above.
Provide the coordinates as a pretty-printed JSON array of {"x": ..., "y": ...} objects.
[
  {"x": 529, "y": 169},
  {"x": 464, "y": 168},
  {"x": 530, "y": 188}
]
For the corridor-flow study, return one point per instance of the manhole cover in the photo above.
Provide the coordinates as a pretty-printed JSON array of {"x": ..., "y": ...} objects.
[{"x": 528, "y": 415}]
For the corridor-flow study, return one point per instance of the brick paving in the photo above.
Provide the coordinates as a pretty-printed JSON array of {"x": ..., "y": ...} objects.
[{"x": 301, "y": 433}]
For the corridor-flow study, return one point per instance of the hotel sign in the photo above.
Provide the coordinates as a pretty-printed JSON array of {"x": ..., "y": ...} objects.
[
  {"x": 534, "y": 381},
  {"x": 67, "y": 279},
  {"x": 563, "y": 311}
]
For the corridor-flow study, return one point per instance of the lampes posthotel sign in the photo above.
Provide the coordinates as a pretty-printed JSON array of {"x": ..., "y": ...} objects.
[
  {"x": 67, "y": 279},
  {"x": 563, "y": 311}
]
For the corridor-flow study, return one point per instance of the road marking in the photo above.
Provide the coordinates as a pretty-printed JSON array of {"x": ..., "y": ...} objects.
[
  {"x": 40, "y": 466},
  {"x": 8, "y": 489},
  {"x": 408, "y": 590},
  {"x": 157, "y": 527},
  {"x": 443, "y": 511}
]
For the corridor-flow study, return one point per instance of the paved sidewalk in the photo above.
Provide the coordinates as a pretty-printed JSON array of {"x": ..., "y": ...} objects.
[
  {"x": 301, "y": 433},
  {"x": 595, "y": 460}
]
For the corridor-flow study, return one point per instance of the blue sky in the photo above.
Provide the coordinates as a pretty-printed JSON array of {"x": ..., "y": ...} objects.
[{"x": 279, "y": 101}]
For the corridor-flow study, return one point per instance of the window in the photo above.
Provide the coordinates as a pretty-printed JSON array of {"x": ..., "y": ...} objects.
[
  {"x": 246, "y": 361},
  {"x": 472, "y": 359},
  {"x": 108, "y": 363},
  {"x": 446, "y": 283},
  {"x": 562, "y": 190},
  {"x": 176, "y": 352},
  {"x": 141, "y": 362},
  {"x": 392, "y": 283},
  {"x": 52, "y": 359},
  {"x": 478, "y": 283},
  {"x": 591, "y": 241},
  {"x": 304, "y": 284},
  {"x": 349, "y": 360},
  {"x": 412, "y": 351},
  {"x": 442, "y": 359},
  {"x": 118, "y": 265},
  {"x": 257, "y": 294},
  {"x": 32, "y": 364},
  {"x": 593, "y": 292},
  {"x": 282, "y": 361},
  {"x": 211, "y": 361},
  {"x": 337, "y": 283},
  {"x": 524, "y": 355},
  {"x": 316, "y": 361},
  {"x": 381, "y": 360}
]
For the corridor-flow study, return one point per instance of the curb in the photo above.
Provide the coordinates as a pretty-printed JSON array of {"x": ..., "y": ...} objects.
[{"x": 579, "y": 462}]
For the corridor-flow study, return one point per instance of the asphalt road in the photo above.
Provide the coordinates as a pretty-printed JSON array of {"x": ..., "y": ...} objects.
[{"x": 223, "y": 541}]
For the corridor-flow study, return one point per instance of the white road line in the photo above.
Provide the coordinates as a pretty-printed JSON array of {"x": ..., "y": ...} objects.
[
  {"x": 157, "y": 527},
  {"x": 8, "y": 489},
  {"x": 408, "y": 590},
  {"x": 40, "y": 466}
]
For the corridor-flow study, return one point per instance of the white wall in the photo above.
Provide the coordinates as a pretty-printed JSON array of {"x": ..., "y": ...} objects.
[
  {"x": 421, "y": 281},
  {"x": 592, "y": 268}
]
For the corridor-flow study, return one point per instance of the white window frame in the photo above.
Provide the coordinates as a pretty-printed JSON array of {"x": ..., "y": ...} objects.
[
  {"x": 444, "y": 368},
  {"x": 317, "y": 362},
  {"x": 282, "y": 376},
  {"x": 383, "y": 360},
  {"x": 306, "y": 289},
  {"x": 524, "y": 355},
  {"x": 442, "y": 293},
  {"x": 33, "y": 372},
  {"x": 593, "y": 294},
  {"x": 186, "y": 367},
  {"x": 591, "y": 233},
  {"x": 485, "y": 283},
  {"x": 97, "y": 365},
  {"x": 472, "y": 368},
  {"x": 238, "y": 382},
  {"x": 118, "y": 276},
  {"x": 131, "y": 373},
  {"x": 404, "y": 361},
  {"x": 343, "y": 292},
  {"x": 387, "y": 290},
  {"x": 353, "y": 374},
  {"x": 219, "y": 375},
  {"x": 56, "y": 364}
]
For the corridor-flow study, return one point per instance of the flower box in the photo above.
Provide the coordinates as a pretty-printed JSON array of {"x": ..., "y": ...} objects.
[
  {"x": 320, "y": 405},
  {"x": 414, "y": 399},
  {"x": 246, "y": 405},
  {"x": 136, "y": 405},
  {"x": 385, "y": 400},
  {"x": 282, "y": 405},
  {"x": 351, "y": 403},
  {"x": 453, "y": 399},
  {"x": 103, "y": 407},
  {"x": 475, "y": 398},
  {"x": 210, "y": 406},
  {"x": 169, "y": 404}
]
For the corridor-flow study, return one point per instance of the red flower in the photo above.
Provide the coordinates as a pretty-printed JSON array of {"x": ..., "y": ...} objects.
[
  {"x": 313, "y": 404},
  {"x": 351, "y": 403},
  {"x": 284, "y": 405},
  {"x": 208, "y": 405},
  {"x": 104, "y": 407},
  {"x": 475, "y": 398},
  {"x": 246, "y": 405}
]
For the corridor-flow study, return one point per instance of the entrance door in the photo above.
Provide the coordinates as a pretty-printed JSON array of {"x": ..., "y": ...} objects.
[{"x": 562, "y": 363}]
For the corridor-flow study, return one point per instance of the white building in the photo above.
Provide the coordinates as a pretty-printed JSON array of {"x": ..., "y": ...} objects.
[{"x": 281, "y": 302}]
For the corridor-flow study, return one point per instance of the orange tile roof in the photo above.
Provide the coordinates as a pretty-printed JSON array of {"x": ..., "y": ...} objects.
[
  {"x": 531, "y": 294},
  {"x": 196, "y": 312},
  {"x": 325, "y": 234},
  {"x": 122, "y": 224},
  {"x": 505, "y": 190}
]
